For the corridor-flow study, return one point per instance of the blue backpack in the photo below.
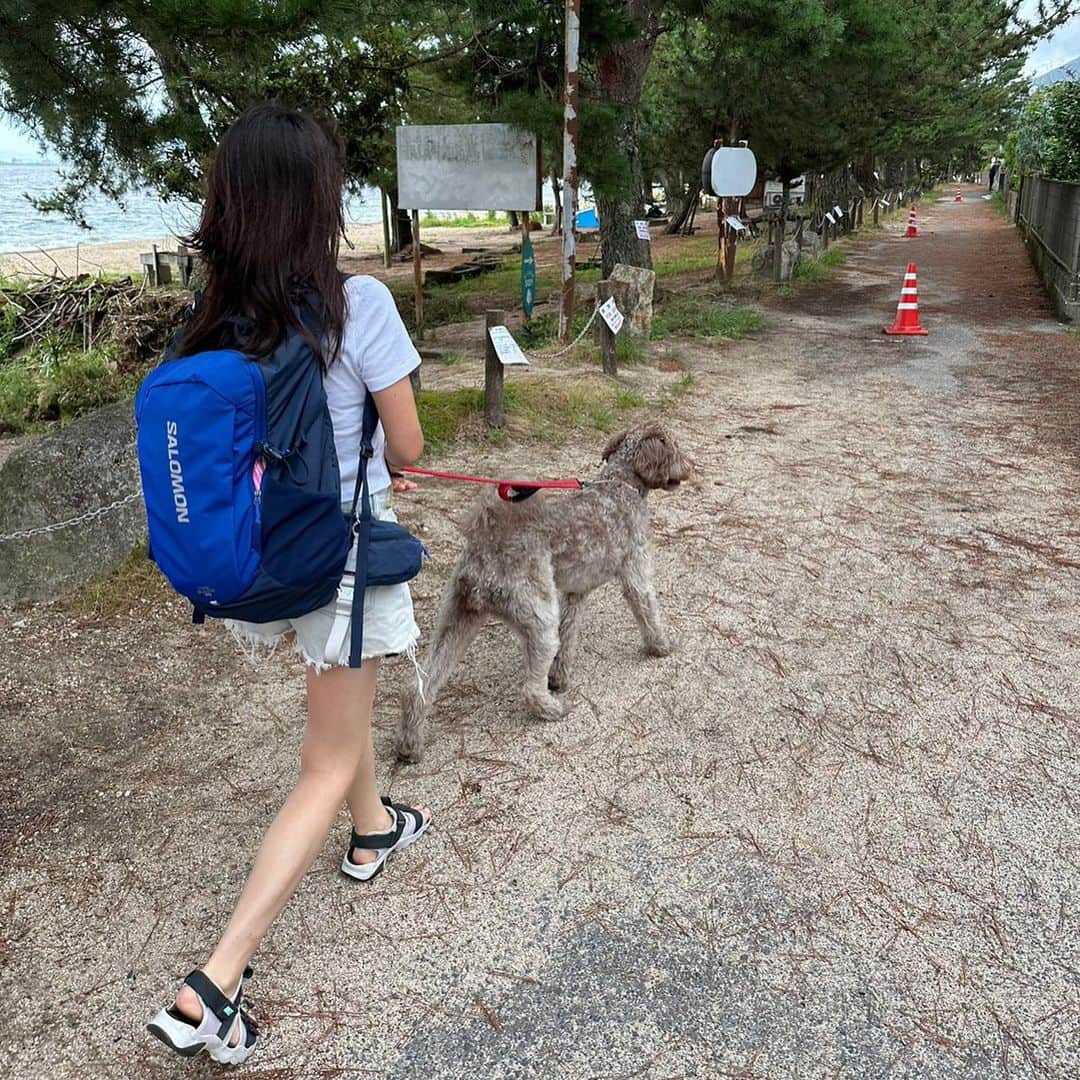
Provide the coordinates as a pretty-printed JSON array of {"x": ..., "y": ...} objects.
[{"x": 243, "y": 491}]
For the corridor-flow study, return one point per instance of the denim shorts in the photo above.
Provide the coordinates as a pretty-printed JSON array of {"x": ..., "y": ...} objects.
[{"x": 322, "y": 637}]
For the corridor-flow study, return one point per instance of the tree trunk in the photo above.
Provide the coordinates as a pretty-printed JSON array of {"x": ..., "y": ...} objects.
[
  {"x": 781, "y": 231},
  {"x": 680, "y": 220},
  {"x": 556, "y": 190},
  {"x": 621, "y": 74}
]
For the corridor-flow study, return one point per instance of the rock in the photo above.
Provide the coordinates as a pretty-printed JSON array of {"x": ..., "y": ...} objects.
[
  {"x": 789, "y": 259},
  {"x": 635, "y": 285},
  {"x": 90, "y": 464},
  {"x": 811, "y": 243}
]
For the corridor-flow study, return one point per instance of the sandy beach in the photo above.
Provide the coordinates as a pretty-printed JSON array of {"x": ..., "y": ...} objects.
[{"x": 123, "y": 258}]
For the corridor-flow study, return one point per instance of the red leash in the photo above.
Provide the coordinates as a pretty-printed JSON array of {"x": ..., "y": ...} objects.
[{"x": 509, "y": 490}]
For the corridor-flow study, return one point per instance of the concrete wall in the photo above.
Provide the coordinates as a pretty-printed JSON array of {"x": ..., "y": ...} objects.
[{"x": 1049, "y": 219}]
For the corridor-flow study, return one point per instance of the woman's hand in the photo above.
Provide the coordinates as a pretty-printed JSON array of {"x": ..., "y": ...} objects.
[{"x": 399, "y": 485}]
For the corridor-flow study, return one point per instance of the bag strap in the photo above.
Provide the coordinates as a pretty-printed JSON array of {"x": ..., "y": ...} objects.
[{"x": 361, "y": 526}]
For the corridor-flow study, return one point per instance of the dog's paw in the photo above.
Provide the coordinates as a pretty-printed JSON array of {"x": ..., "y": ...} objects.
[
  {"x": 409, "y": 750},
  {"x": 545, "y": 709},
  {"x": 661, "y": 646}
]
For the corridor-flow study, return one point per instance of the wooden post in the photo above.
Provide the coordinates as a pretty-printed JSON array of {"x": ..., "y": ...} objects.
[
  {"x": 877, "y": 204},
  {"x": 418, "y": 275},
  {"x": 608, "y": 356},
  {"x": 384, "y": 200},
  {"x": 493, "y": 372},
  {"x": 572, "y": 31}
]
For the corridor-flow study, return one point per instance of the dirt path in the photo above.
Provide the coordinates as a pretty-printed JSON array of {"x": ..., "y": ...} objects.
[{"x": 833, "y": 836}]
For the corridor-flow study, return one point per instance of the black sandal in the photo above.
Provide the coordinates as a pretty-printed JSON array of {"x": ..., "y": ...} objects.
[
  {"x": 221, "y": 1016},
  {"x": 409, "y": 825}
]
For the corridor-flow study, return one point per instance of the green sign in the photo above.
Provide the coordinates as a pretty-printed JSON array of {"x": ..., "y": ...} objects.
[{"x": 528, "y": 276}]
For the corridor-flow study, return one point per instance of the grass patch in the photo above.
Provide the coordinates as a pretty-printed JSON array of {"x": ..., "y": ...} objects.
[
  {"x": 698, "y": 253},
  {"x": 490, "y": 220},
  {"x": 630, "y": 349},
  {"x": 53, "y": 382},
  {"x": 696, "y": 316},
  {"x": 822, "y": 268},
  {"x": 1001, "y": 207},
  {"x": 674, "y": 393},
  {"x": 449, "y": 359},
  {"x": 134, "y": 586},
  {"x": 548, "y": 410}
]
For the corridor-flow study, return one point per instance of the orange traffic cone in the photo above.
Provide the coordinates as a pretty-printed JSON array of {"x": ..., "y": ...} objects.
[
  {"x": 907, "y": 311},
  {"x": 912, "y": 228},
  {"x": 959, "y": 197}
]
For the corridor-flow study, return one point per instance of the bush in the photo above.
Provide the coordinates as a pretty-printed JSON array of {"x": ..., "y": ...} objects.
[
  {"x": 1048, "y": 135},
  {"x": 57, "y": 382}
]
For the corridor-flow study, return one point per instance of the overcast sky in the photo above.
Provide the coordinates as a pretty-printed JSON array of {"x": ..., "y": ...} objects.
[{"x": 1051, "y": 53}]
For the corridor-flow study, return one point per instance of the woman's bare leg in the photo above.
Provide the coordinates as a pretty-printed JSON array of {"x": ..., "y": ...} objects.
[
  {"x": 337, "y": 743},
  {"x": 368, "y": 813}
]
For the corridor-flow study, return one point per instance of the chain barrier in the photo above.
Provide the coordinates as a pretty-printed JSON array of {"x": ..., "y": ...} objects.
[
  {"x": 566, "y": 348},
  {"x": 82, "y": 519}
]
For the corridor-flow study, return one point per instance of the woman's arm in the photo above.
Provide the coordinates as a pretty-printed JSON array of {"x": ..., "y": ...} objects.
[{"x": 401, "y": 425}]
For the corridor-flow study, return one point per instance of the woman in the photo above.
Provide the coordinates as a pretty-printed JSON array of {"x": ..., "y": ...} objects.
[{"x": 269, "y": 235}]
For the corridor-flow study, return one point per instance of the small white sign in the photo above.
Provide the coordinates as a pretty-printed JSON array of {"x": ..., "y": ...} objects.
[
  {"x": 901, "y": 196},
  {"x": 610, "y": 313},
  {"x": 734, "y": 222},
  {"x": 885, "y": 202},
  {"x": 838, "y": 212},
  {"x": 876, "y": 177},
  {"x": 506, "y": 348},
  {"x": 829, "y": 218},
  {"x": 642, "y": 229}
]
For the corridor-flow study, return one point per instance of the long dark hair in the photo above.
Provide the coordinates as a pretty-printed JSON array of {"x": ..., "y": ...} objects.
[{"x": 269, "y": 234}]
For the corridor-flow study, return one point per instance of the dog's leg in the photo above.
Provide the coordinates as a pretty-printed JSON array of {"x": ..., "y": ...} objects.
[
  {"x": 535, "y": 619},
  {"x": 562, "y": 669},
  {"x": 637, "y": 587},
  {"x": 453, "y": 634}
]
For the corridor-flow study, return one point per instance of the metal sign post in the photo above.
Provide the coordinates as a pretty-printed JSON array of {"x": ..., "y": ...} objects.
[
  {"x": 528, "y": 270},
  {"x": 570, "y": 173},
  {"x": 418, "y": 275}
]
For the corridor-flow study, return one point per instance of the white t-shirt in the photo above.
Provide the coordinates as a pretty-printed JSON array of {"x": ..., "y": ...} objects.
[{"x": 376, "y": 352}]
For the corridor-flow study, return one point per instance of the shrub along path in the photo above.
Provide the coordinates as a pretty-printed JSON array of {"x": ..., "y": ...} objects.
[{"x": 834, "y": 835}]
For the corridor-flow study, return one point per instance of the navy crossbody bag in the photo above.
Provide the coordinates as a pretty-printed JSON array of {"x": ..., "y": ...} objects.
[{"x": 386, "y": 553}]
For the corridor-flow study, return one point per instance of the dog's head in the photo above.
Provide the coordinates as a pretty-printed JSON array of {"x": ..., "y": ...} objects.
[{"x": 651, "y": 457}]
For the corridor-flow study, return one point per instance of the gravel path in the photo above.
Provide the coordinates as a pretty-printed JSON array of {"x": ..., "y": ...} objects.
[{"x": 834, "y": 836}]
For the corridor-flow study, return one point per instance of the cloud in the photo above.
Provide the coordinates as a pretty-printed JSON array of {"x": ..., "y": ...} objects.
[{"x": 1061, "y": 47}]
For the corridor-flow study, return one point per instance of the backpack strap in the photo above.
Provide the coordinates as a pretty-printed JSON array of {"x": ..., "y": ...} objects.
[{"x": 361, "y": 525}]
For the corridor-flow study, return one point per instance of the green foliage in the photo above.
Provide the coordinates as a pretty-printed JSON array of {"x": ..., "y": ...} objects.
[
  {"x": 1048, "y": 134},
  {"x": 547, "y": 410},
  {"x": 9, "y": 318},
  {"x": 822, "y": 268},
  {"x": 687, "y": 315},
  {"x": 55, "y": 381},
  {"x": 630, "y": 350},
  {"x": 463, "y": 221},
  {"x": 18, "y": 398}
]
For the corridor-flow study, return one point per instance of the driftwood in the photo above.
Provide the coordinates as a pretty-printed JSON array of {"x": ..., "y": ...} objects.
[{"x": 92, "y": 312}]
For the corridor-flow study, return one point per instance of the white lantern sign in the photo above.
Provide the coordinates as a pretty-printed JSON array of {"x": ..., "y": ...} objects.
[{"x": 733, "y": 171}]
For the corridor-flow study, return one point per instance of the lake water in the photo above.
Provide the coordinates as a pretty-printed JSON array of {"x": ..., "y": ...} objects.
[{"x": 142, "y": 216}]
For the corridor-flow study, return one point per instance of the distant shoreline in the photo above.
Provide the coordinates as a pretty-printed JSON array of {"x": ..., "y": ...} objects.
[{"x": 122, "y": 257}]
